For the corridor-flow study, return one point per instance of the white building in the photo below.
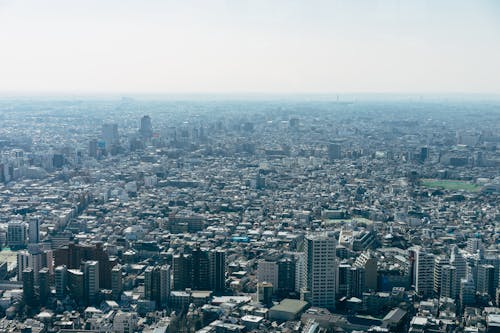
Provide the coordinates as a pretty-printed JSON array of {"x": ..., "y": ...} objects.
[
  {"x": 124, "y": 322},
  {"x": 320, "y": 270}
]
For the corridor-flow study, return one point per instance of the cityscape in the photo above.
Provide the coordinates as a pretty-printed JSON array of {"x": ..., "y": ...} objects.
[
  {"x": 249, "y": 166},
  {"x": 131, "y": 215}
]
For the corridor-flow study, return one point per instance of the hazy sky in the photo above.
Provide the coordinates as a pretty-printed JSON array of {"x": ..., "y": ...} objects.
[{"x": 269, "y": 46}]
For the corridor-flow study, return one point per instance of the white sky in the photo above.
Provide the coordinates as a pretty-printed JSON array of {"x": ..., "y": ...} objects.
[{"x": 249, "y": 46}]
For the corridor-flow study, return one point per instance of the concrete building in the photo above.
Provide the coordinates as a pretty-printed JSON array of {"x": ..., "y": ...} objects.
[
  {"x": 91, "y": 271},
  {"x": 16, "y": 234},
  {"x": 424, "y": 273},
  {"x": 320, "y": 254}
]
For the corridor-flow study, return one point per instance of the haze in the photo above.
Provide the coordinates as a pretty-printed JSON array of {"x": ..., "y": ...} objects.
[{"x": 249, "y": 46}]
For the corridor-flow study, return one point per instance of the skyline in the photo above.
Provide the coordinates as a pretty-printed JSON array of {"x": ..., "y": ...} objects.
[{"x": 243, "y": 47}]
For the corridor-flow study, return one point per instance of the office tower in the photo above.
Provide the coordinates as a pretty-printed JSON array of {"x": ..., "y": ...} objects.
[
  {"x": 146, "y": 129},
  {"x": 265, "y": 292},
  {"x": 439, "y": 262},
  {"x": 182, "y": 271},
  {"x": 76, "y": 285},
  {"x": 357, "y": 281},
  {"x": 91, "y": 271},
  {"x": 267, "y": 271},
  {"x": 93, "y": 148},
  {"x": 334, "y": 151},
  {"x": 320, "y": 270},
  {"x": 157, "y": 285},
  {"x": 343, "y": 281},
  {"x": 217, "y": 271},
  {"x": 23, "y": 262},
  {"x": 368, "y": 262},
  {"x": 200, "y": 269},
  {"x": 58, "y": 161},
  {"x": 116, "y": 281},
  {"x": 467, "y": 293},
  {"x": 34, "y": 230},
  {"x": 44, "y": 285},
  {"x": 494, "y": 260},
  {"x": 16, "y": 234},
  {"x": 36, "y": 262},
  {"x": 424, "y": 154},
  {"x": 286, "y": 275},
  {"x": 449, "y": 281},
  {"x": 29, "y": 287},
  {"x": 457, "y": 260},
  {"x": 110, "y": 135},
  {"x": 424, "y": 273},
  {"x": 61, "y": 281},
  {"x": 485, "y": 279},
  {"x": 72, "y": 256}
]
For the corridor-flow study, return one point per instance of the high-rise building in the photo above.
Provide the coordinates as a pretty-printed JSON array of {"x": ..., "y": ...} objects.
[
  {"x": 217, "y": 271},
  {"x": 73, "y": 255},
  {"x": 286, "y": 276},
  {"x": 76, "y": 285},
  {"x": 494, "y": 260},
  {"x": 334, "y": 151},
  {"x": 343, "y": 280},
  {"x": 116, "y": 281},
  {"x": 200, "y": 269},
  {"x": 34, "y": 230},
  {"x": 157, "y": 285},
  {"x": 357, "y": 283},
  {"x": 460, "y": 263},
  {"x": 265, "y": 292},
  {"x": 474, "y": 245},
  {"x": 424, "y": 154},
  {"x": 467, "y": 292},
  {"x": 424, "y": 273},
  {"x": 368, "y": 262},
  {"x": 439, "y": 262},
  {"x": 300, "y": 271},
  {"x": 93, "y": 148},
  {"x": 110, "y": 135},
  {"x": 267, "y": 271},
  {"x": 44, "y": 285},
  {"x": 61, "y": 281},
  {"x": 29, "y": 287},
  {"x": 320, "y": 270},
  {"x": 146, "y": 129},
  {"x": 16, "y": 234},
  {"x": 91, "y": 276},
  {"x": 182, "y": 271},
  {"x": 485, "y": 279},
  {"x": 449, "y": 281},
  {"x": 23, "y": 262}
]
